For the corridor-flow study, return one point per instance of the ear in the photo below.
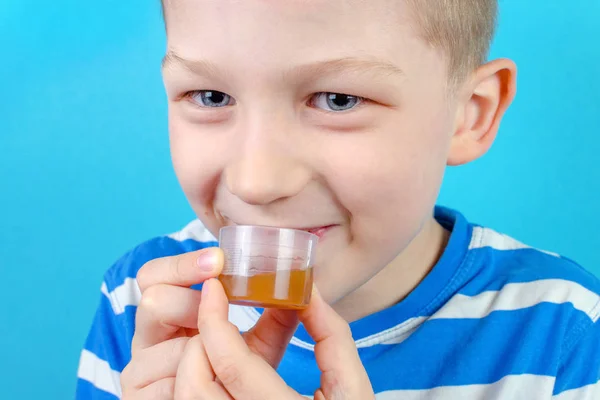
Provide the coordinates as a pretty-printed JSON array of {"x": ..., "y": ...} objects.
[{"x": 482, "y": 102}]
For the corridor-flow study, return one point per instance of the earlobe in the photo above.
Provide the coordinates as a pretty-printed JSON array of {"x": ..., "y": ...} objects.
[{"x": 486, "y": 97}]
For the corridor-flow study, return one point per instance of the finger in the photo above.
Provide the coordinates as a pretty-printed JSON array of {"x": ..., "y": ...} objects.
[
  {"x": 319, "y": 395},
  {"x": 162, "y": 311},
  {"x": 182, "y": 270},
  {"x": 159, "y": 390},
  {"x": 342, "y": 372},
  {"x": 272, "y": 333},
  {"x": 195, "y": 378},
  {"x": 244, "y": 374},
  {"x": 153, "y": 364}
]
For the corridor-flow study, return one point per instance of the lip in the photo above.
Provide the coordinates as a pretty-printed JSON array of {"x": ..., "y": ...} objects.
[{"x": 318, "y": 231}]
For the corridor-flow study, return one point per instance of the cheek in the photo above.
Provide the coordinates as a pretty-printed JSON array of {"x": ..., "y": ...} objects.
[
  {"x": 197, "y": 160},
  {"x": 389, "y": 179}
]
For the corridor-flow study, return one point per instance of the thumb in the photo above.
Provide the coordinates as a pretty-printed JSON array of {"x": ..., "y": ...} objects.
[{"x": 342, "y": 373}]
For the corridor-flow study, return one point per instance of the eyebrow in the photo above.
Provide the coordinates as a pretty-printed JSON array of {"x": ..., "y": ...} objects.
[
  {"x": 338, "y": 65},
  {"x": 201, "y": 67}
]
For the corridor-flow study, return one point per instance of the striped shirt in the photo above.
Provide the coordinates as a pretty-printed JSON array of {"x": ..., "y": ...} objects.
[{"x": 494, "y": 319}]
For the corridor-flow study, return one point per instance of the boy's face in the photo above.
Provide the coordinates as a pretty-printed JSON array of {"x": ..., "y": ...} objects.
[{"x": 309, "y": 114}]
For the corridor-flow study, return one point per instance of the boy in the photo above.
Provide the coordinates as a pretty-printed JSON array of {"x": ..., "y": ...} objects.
[{"x": 339, "y": 117}]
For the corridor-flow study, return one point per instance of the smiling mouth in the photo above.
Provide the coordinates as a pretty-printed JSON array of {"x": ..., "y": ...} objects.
[{"x": 318, "y": 231}]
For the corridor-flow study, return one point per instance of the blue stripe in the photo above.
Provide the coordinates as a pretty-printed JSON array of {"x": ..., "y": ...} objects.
[
  {"x": 87, "y": 391},
  {"x": 299, "y": 370},
  {"x": 127, "y": 321},
  {"x": 497, "y": 268},
  {"x": 580, "y": 366},
  {"x": 106, "y": 338}
]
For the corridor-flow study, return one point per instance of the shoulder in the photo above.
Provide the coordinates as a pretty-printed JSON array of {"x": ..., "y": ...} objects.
[
  {"x": 524, "y": 276},
  {"x": 514, "y": 261}
]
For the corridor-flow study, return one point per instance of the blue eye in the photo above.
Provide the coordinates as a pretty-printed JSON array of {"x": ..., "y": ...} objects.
[
  {"x": 211, "y": 98},
  {"x": 335, "y": 101}
]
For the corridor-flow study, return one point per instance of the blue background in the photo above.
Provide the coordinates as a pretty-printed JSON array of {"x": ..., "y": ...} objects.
[{"x": 85, "y": 171}]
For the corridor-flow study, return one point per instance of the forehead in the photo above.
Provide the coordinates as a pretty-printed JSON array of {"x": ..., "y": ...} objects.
[
  {"x": 289, "y": 6},
  {"x": 275, "y": 34},
  {"x": 297, "y": 21}
]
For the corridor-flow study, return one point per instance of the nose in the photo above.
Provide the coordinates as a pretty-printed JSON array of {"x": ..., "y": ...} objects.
[{"x": 265, "y": 170}]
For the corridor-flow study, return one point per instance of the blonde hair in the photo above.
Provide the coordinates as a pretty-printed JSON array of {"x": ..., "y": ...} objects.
[{"x": 462, "y": 29}]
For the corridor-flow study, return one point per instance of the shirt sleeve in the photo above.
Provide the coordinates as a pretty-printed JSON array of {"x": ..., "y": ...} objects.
[
  {"x": 106, "y": 352},
  {"x": 579, "y": 370}
]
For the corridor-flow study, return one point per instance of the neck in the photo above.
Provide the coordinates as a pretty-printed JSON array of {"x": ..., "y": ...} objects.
[{"x": 392, "y": 284}]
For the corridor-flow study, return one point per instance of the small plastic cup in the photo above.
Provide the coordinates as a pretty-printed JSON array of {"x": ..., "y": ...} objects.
[{"x": 267, "y": 267}]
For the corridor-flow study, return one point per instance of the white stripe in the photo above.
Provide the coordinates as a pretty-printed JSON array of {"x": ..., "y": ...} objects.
[
  {"x": 127, "y": 294},
  {"x": 486, "y": 237},
  {"x": 302, "y": 344},
  {"x": 242, "y": 317},
  {"x": 589, "y": 392},
  {"x": 513, "y": 296},
  {"x": 513, "y": 387},
  {"x": 99, "y": 373},
  {"x": 194, "y": 230}
]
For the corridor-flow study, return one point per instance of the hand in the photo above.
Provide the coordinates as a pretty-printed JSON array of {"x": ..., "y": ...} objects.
[
  {"x": 165, "y": 320},
  {"x": 167, "y": 317},
  {"x": 218, "y": 363}
]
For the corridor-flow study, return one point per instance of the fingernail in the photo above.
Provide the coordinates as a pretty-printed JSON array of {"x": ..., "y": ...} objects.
[
  {"x": 207, "y": 260},
  {"x": 205, "y": 286}
]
